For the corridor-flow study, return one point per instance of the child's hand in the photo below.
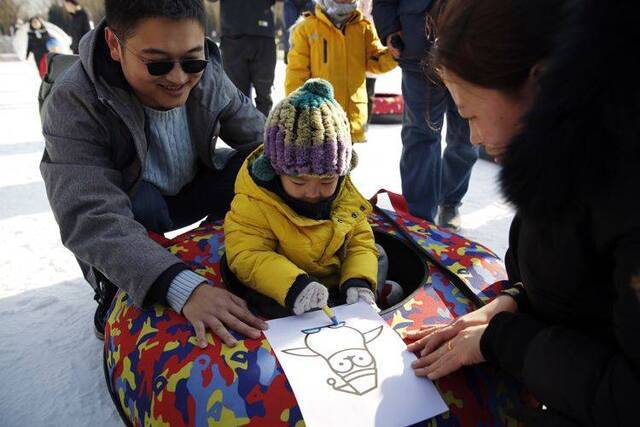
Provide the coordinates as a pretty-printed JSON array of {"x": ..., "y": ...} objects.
[
  {"x": 360, "y": 294},
  {"x": 395, "y": 44},
  {"x": 314, "y": 295}
]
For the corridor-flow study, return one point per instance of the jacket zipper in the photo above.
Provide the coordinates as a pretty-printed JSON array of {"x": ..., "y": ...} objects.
[
  {"x": 325, "y": 48},
  {"x": 211, "y": 135}
]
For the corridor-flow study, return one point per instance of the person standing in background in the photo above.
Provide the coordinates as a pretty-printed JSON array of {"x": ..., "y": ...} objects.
[
  {"x": 365, "y": 8},
  {"x": 430, "y": 179},
  {"x": 338, "y": 44},
  {"x": 292, "y": 11},
  {"x": 249, "y": 47},
  {"x": 38, "y": 37},
  {"x": 80, "y": 22}
]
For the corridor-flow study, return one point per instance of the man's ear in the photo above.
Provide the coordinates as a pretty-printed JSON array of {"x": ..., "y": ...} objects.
[{"x": 112, "y": 44}]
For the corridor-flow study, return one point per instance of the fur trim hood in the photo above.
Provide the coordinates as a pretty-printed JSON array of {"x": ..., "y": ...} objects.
[{"x": 582, "y": 137}]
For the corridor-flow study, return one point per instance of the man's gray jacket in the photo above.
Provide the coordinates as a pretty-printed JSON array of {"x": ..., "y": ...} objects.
[{"x": 95, "y": 144}]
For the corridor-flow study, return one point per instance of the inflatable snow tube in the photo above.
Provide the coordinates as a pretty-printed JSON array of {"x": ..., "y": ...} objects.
[
  {"x": 158, "y": 376},
  {"x": 388, "y": 108}
]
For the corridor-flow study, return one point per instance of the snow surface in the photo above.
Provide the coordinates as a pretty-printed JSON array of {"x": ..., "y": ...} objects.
[{"x": 50, "y": 362}]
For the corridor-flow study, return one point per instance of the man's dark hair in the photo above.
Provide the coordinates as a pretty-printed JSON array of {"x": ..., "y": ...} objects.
[
  {"x": 123, "y": 15},
  {"x": 73, "y": 2}
]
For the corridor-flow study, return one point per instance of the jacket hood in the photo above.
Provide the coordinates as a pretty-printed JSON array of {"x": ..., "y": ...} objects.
[
  {"x": 322, "y": 16},
  {"x": 347, "y": 197},
  {"x": 582, "y": 136},
  {"x": 93, "y": 52}
]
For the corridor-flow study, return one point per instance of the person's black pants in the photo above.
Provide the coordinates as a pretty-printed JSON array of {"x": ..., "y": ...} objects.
[
  {"x": 251, "y": 61},
  {"x": 371, "y": 93},
  {"x": 208, "y": 195}
]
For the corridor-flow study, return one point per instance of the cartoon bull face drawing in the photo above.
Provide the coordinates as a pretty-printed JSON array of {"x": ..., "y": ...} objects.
[{"x": 345, "y": 351}]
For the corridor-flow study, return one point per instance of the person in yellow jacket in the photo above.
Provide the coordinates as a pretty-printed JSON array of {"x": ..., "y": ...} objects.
[
  {"x": 338, "y": 44},
  {"x": 297, "y": 231}
]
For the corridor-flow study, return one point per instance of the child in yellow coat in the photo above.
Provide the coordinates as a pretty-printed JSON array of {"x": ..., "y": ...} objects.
[
  {"x": 338, "y": 44},
  {"x": 297, "y": 231}
]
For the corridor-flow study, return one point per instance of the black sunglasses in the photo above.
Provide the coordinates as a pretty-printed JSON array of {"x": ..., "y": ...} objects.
[
  {"x": 191, "y": 66},
  {"x": 160, "y": 68}
]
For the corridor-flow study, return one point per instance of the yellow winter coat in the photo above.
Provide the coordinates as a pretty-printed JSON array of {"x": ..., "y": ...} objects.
[
  {"x": 269, "y": 245},
  {"x": 320, "y": 49}
]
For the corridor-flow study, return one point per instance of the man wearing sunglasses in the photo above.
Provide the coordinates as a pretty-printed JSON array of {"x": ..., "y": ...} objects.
[{"x": 131, "y": 133}]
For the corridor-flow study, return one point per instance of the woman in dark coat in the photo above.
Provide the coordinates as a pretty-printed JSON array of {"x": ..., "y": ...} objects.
[
  {"x": 37, "y": 42},
  {"x": 548, "y": 89}
]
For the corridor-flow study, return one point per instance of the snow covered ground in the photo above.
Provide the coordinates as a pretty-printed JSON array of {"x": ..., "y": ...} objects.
[{"x": 50, "y": 361}]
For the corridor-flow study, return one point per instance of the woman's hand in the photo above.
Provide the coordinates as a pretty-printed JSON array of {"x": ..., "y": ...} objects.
[
  {"x": 462, "y": 350},
  {"x": 429, "y": 337}
]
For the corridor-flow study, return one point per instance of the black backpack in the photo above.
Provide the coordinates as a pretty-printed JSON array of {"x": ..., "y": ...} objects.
[{"x": 57, "y": 63}]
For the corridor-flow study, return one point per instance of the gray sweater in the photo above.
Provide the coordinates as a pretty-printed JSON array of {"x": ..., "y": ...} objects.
[{"x": 171, "y": 161}]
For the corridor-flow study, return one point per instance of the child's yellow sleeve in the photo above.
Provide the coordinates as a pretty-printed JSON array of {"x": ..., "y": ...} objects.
[
  {"x": 298, "y": 59},
  {"x": 379, "y": 58},
  {"x": 251, "y": 251}
]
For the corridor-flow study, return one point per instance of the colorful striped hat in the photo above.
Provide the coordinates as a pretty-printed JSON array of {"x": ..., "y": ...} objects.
[{"x": 308, "y": 133}]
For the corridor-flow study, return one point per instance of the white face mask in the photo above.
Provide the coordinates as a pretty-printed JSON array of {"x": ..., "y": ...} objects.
[{"x": 338, "y": 11}]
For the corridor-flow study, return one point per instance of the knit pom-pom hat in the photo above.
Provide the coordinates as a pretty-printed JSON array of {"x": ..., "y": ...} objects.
[{"x": 307, "y": 133}]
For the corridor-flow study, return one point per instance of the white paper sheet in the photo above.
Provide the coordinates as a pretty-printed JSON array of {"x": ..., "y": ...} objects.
[{"x": 356, "y": 374}]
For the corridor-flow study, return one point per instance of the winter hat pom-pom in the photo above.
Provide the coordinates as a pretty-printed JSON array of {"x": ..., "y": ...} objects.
[
  {"x": 319, "y": 87},
  {"x": 262, "y": 169}
]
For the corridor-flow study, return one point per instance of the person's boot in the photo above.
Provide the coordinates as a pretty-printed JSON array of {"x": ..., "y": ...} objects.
[
  {"x": 449, "y": 217},
  {"x": 104, "y": 295},
  {"x": 99, "y": 320}
]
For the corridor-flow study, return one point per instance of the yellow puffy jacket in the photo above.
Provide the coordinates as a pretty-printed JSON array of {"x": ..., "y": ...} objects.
[
  {"x": 320, "y": 49},
  {"x": 269, "y": 245}
]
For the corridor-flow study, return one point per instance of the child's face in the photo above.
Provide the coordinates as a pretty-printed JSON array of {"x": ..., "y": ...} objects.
[{"x": 310, "y": 189}]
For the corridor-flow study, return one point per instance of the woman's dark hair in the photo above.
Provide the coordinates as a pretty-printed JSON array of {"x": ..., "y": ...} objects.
[
  {"x": 123, "y": 15},
  {"x": 36, "y": 18},
  {"x": 495, "y": 43}
]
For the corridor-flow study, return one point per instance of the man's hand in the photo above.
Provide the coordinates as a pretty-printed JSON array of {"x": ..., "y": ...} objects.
[
  {"x": 393, "y": 49},
  {"x": 218, "y": 309}
]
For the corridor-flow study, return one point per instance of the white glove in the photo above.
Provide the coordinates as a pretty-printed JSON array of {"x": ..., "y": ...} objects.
[
  {"x": 314, "y": 295},
  {"x": 356, "y": 294}
]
